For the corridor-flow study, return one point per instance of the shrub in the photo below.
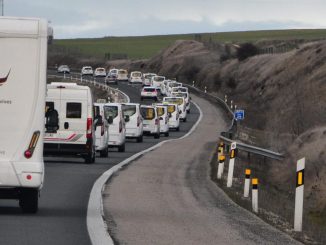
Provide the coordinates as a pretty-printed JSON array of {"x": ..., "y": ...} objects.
[{"x": 247, "y": 50}]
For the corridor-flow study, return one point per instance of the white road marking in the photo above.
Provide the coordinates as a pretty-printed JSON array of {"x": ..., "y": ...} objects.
[{"x": 96, "y": 226}]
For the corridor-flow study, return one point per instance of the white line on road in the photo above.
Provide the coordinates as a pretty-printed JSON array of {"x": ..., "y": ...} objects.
[{"x": 96, "y": 226}]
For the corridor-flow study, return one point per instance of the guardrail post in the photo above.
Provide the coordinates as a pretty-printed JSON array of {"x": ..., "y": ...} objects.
[
  {"x": 235, "y": 107},
  {"x": 225, "y": 99},
  {"x": 220, "y": 169},
  {"x": 247, "y": 183},
  {"x": 233, "y": 153},
  {"x": 255, "y": 195},
  {"x": 299, "y": 194},
  {"x": 193, "y": 83},
  {"x": 231, "y": 106},
  {"x": 205, "y": 89}
]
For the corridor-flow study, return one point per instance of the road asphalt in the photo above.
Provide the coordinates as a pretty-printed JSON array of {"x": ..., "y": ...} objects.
[{"x": 167, "y": 197}]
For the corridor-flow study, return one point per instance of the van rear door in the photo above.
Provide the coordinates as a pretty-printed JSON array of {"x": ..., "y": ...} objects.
[{"x": 73, "y": 115}]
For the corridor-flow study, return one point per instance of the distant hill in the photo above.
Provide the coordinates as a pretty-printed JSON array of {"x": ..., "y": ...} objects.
[{"x": 141, "y": 47}]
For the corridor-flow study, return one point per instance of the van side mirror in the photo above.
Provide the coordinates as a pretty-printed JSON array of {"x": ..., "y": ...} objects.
[
  {"x": 180, "y": 112},
  {"x": 127, "y": 118},
  {"x": 170, "y": 114},
  {"x": 161, "y": 118},
  {"x": 110, "y": 120}
]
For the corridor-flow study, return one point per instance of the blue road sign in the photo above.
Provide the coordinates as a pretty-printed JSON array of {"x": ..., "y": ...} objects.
[{"x": 239, "y": 114}]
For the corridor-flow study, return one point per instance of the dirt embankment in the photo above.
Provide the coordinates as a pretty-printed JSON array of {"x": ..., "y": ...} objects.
[{"x": 284, "y": 97}]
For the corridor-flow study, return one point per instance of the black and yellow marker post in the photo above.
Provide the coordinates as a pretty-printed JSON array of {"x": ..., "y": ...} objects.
[
  {"x": 255, "y": 195},
  {"x": 247, "y": 183}
]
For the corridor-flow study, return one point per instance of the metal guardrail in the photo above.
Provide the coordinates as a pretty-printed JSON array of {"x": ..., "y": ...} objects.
[
  {"x": 116, "y": 93},
  {"x": 240, "y": 146}
]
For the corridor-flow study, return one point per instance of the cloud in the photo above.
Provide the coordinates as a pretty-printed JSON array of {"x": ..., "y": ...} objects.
[{"x": 80, "y": 18}]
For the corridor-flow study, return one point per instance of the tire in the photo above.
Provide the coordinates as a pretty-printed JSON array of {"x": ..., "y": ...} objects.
[
  {"x": 166, "y": 134},
  {"x": 177, "y": 129},
  {"x": 141, "y": 98},
  {"x": 105, "y": 152},
  {"x": 185, "y": 119},
  {"x": 157, "y": 136},
  {"x": 155, "y": 98},
  {"x": 188, "y": 111},
  {"x": 122, "y": 148},
  {"x": 90, "y": 158},
  {"x": 140, "y": 139},
  {"x": 28, "y": 200}
]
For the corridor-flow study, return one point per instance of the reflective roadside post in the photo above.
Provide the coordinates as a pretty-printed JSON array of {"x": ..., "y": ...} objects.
[
  {"x": 255, "y": 195},
  {"x": 233, "y": 153},
  {"x": 299, "y": 194},
  {"x": 247, "y": 183}
]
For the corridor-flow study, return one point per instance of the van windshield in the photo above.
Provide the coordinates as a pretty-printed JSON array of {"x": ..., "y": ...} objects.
[
  {"x": 110, "y": 111},
  {"x": 184, "y": 95},
  {"x": 171, "y": 108},
  {"x": 122, "y": 72},
  {"x": 178, "y": 101},
  {"x": 160, "y": 111},
  {"x": 129, "y": 110},
  {"x": 147, "y": 113},
  {"x": 158, "y": 79},
  {"x": 136, "y": 74}
]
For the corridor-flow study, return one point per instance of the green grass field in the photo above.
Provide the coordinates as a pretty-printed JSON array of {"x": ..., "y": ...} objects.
[{"x": 147, "y": 46}]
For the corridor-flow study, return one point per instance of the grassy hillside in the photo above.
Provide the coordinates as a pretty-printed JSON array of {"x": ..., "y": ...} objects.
[{"x": 147, "y": 46}]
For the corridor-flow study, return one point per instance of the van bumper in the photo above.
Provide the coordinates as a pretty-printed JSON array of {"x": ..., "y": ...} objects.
[{"x": 65, "y": 149}]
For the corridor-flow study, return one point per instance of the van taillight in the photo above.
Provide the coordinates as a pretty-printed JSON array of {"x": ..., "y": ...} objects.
[
  {"x": 120, "y": 126},
  {"x": 31, "y": 147},
  {"x": 89, "y": 128}
]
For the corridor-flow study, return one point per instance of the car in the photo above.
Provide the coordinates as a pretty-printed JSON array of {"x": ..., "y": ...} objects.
[
  {"x": 63, "y": 69},
  {"x": 136, "y": 77},
  {"x": 87, "y": 71},
  {"x": 101, "y": 130},
  {"x": 117, "y": 126},
  {"x": 149, "y": 93},
  {"x": 186, "y": 96},
  {"x": 163, "y": 115},
  {"x": 122, "y": 75},
  {"x": 100, "y": 72},
  {"x": 180, "y": 101},
  {"x": 70, "y": 131},
  {"x": 174, "y": 118},
  {"x": 112, "y": 76},
  {"x": 134, "y": 121},
  {"x": 151, "y": 122},
  {"x": 22, "y": 111},
  {"x": 147, "y": 79}
]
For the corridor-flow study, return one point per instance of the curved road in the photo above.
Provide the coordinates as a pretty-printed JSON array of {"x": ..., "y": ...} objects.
[
  {"x": 63, "y": 204},
  {"x": 167, "y": 197}
]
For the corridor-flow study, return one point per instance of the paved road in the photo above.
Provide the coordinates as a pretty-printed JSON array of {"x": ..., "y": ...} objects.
[
  {"x": 63, "y": 203},
  {"x": 167, "y": 197}
]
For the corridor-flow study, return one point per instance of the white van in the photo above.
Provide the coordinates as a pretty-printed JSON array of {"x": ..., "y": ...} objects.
[
  {"x": 157, "y": 82},
  {"x": 117, "y": 126},
  {"x": 23, "y": 49},
  {"x": 101, "y": 130},
  {"x": 69, "y": 121},
  {"x": 162, "y": 113},
  {"x": 151, "y": 123},
  {"x": 134, "y": 121},
  {"x": 136, "y": 77},
  {"x": 147, "y": 79},
  {"x": 180, "y": 101},
  {"x": 122, "y": 75},
  {"x": 174, "y": 118},
  {"x": 184, "y": 95}
]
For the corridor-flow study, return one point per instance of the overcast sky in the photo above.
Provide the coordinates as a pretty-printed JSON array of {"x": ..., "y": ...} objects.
[{"x": 98, "y": 18}]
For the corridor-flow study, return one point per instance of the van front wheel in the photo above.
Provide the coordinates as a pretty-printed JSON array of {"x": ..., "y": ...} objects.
[
  {"x": 28, "y": 200},
  {"x": 90, "y": 158},
  {"x": 140, "y": 139},
  {"x": 157, "y": 136},
  {"x": 122, "y": 148},
  {"x": 105, "y": 152}
]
